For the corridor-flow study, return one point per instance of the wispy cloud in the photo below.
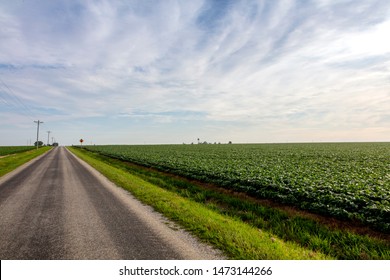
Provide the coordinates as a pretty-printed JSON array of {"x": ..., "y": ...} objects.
[{"x": 247, "y": 70}]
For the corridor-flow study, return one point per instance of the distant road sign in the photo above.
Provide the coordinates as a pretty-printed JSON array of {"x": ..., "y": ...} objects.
[{"x": 81, "y": 141}]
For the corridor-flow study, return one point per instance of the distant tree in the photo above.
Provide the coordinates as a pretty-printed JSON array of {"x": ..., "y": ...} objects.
[
  {"x": 230, "y": 142},
  {"x": 40, "y": 143}
]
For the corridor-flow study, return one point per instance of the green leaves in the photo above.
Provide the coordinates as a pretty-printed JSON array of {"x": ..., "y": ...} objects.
[
  {"x": 7, "y": 150},
  {"x": 344, "y": 180}
]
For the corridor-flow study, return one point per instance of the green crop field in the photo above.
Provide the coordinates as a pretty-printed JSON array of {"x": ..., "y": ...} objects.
[
  {"x": 345, "y": 180},
  {"x": 7, "y": 150}
]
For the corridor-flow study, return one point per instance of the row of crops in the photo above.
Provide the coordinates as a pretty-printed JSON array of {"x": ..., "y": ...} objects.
[
  {"x": 7, "y": 150},
  {"x": 343, "y": 180}
]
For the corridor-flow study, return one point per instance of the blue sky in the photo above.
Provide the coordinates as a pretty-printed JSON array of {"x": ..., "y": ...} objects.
[{"x": 135, "y": 72}]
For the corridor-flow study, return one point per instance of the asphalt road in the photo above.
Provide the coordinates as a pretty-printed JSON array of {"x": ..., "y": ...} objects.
[{"x": 58, "y": 207}]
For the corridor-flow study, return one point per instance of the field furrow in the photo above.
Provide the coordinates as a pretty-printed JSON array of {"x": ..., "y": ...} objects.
[{"x": 345, "y": 180}]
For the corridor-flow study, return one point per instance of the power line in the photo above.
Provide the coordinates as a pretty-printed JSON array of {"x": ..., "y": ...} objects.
[
  {"x": 17, "y": 102},
  {"x": 3, "y": 98}
]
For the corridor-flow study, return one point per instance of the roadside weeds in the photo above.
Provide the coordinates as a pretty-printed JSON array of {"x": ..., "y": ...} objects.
[{"x": 238, "y": 240}]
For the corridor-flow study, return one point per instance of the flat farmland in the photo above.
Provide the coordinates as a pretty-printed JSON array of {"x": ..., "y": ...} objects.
[
  {"x": 349, "y": 181},
  {"x": 7, "y": 150}
]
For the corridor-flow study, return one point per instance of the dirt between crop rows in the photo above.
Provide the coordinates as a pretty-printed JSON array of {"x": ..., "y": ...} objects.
[{"x": 332, "y": 223}]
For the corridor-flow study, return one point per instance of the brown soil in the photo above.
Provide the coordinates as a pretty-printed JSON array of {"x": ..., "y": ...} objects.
[{"x": 332, "y": 223}]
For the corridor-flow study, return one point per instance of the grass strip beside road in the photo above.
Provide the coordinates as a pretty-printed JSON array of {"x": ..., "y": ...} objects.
[
  {"x": 11, "y": 162},
  {"x": 235, "y": 238}
]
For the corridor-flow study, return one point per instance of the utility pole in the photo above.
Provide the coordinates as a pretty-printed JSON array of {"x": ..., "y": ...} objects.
[
  {"x": 48, "y": 134},
  {"x": 38, "y": 122}
]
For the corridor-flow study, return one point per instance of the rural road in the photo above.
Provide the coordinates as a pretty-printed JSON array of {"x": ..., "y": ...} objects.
[{"x": 58, "y": 207}]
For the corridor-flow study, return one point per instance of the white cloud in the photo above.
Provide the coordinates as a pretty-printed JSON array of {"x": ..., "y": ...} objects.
[{"x": 255, "y": 66}]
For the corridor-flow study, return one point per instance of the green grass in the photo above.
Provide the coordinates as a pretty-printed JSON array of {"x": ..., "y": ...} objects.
[
  {"x": 12, "y": 161},
  {"x": 349, "y": 181},
  {"x": 237, "y": 239},
  {"x": 6, "y": 150},
  {"x": 339, "y": 244}
]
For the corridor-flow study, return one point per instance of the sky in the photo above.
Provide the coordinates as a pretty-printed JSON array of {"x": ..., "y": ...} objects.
[{"x": 159, "y": 72}]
